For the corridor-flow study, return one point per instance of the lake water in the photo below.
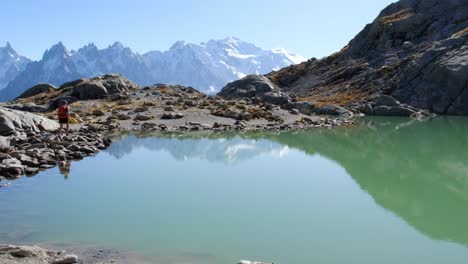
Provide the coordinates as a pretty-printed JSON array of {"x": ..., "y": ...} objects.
[{"x": 387, "y": 191}]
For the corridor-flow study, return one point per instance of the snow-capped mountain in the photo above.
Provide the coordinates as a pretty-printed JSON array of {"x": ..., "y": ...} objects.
[
  {"x": 206, "y": 66},
  {"x": 11, "y": 65}
]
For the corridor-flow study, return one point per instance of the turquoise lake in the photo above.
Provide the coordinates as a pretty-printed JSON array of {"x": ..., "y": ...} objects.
[{"x": 386, "y": 191}]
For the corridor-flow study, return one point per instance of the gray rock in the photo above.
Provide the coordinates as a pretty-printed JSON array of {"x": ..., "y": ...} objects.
[
  {"x": 276, "y": 98},
  {"x": 143, "y": 118},
  {"x": 247, "y": 87},
  {"x": 168, "y": 116},
  {"x": 98, "y": 112},
  {"x": 12, "y": 120},
  {"x": 4, "y": 143},
  {"x": 393, "y": 111}
]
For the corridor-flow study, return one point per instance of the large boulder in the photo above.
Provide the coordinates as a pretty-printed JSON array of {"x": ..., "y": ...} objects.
[
  {"x": 101, "y": 87},
  {"x": 255, "y": 86},
  {"x": 13, "y": 120},
  {"x": 38, "y": 89}
]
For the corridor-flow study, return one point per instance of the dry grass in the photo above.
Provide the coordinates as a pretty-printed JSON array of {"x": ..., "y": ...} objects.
[
  {"x": 461, "y": 33},
  {"x": 398, "y": 16},
  {"x": 340, "y": 98}
]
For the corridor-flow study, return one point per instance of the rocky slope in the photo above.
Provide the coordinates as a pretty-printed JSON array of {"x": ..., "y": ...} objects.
[
  {"x": 207, "y": 66},
  {"x": 415, "y": 51}
]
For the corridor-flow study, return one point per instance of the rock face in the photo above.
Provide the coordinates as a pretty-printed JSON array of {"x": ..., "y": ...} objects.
[
  {"x": 12, "y": 120},
  {"x": 35, "y": 90},
  {"x": 415, "y": 50}
]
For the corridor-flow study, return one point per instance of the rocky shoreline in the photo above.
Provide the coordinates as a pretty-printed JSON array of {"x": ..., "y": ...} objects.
[{"x": 11, "y": 254}]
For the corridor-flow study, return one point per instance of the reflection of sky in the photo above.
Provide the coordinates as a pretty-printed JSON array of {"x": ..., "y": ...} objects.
[{"x": 214, "y": 150}]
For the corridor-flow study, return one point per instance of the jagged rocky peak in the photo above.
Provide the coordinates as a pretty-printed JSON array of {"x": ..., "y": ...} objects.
[
  {"x": 56, "y": 51},
  {"x": 178, "y": 45}
]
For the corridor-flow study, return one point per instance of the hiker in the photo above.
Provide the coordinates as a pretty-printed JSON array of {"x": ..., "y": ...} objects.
[{"x": 64, "y": 116}]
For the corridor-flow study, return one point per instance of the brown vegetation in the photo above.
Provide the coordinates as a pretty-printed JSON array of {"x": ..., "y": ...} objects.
[{"x": 398, "y": 16}]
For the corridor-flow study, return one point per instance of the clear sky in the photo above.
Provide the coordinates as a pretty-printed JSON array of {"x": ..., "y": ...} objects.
[{"x": 310, "y": 28}]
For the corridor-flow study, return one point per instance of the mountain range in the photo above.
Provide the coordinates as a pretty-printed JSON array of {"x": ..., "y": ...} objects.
[{"x": 206, "y": 66}]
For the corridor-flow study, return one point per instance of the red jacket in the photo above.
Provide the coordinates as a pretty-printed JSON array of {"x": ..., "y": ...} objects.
[{"x": 63, "y": 112}]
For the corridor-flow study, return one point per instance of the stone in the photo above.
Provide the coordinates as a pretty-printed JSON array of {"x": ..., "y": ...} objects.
[
  {"x": 141, "y": 109},
  {"x": 168, "y": 116},
  {"x": 124, "y": 117},
  {"x": 294, "y": 112},
  {"x": 143, "y": 118},
  {"x": 67, "y": 259},
  {"x": 276, "y": 98},
  {"x": 231, "y": 114},
  {"x": 98, "y": 112},
  {"x": 4, "y": 143},
  {"x": 191, "y": 103},
  {"x": 169, "y": 108}
]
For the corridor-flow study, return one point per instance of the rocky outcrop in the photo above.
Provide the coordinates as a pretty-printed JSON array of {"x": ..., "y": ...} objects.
[
  {"x": 255, "y": 86},
  {"x": 415, "y": 51},
  {"x": 35, "y": 90},
  {"x": 95, "y": 88},
  {"x": 101, "y": 87},
  {"x": 12, "y": 121},
  {"x": 388, "y": 106}
]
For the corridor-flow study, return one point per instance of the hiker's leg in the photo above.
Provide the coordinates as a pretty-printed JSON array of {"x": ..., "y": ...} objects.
[
  {"x": 68, "y": 128},
  {"x": 60, "y": 129}
]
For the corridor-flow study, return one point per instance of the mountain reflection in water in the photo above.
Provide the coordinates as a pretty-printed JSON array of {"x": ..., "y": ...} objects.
[{"x": 417, "y": 170}]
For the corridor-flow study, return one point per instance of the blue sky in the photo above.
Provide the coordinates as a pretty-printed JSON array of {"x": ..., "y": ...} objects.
[{"x": 307, "y": 27}]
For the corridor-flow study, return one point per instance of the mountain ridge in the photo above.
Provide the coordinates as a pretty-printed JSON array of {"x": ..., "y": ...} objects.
[{"x": 207, "y": 66}]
